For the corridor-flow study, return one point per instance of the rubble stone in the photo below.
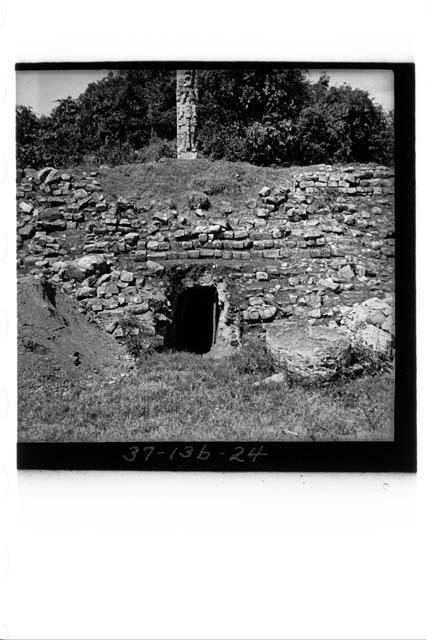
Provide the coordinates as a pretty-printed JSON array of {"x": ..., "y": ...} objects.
[
  {"x": 289, "y": 253},
  {"x": 306, "y": 352}
]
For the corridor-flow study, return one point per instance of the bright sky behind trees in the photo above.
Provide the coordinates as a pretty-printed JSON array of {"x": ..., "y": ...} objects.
[{"x": 40, "y": 89}]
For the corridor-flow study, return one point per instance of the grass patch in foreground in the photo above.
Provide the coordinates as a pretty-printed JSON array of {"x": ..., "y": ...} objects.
[{"x": 182, "y": 396}]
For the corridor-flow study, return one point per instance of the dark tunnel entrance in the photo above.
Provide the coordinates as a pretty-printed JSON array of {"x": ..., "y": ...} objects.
[{"x": 196, "y": 318}]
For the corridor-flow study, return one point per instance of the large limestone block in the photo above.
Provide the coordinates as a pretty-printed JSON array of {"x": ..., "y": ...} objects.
[
  {"x": 375, "y": 338},
  {"x": 371, "y": 324},
  {"x": 88, "y": 265},
  {"x": 306, "y": 352},
  {"x": 370, "y": 311}
]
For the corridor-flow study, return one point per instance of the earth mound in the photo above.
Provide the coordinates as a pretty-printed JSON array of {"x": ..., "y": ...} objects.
[{"x": 59, "y": 345}]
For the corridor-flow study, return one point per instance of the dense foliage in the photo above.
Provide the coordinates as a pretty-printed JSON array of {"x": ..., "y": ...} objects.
[{"x": 263, "y": 117}]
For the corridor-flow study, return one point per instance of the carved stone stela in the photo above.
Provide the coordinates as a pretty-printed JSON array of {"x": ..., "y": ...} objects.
[{"x": 186, "y": 111}]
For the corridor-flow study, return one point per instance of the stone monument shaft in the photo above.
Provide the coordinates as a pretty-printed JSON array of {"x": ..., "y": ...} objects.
[{"x": 186, "y": 113}]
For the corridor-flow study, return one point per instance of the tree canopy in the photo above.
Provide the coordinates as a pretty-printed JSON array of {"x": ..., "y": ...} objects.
[{"x": 261, "y": 116}]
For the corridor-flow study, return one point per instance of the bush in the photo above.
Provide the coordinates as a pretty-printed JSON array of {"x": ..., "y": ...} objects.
[
  {"x": 342, "y": 124},
  {"x": 222, "y": 142},
  {"x": 320, "y": 138},
  {"x": 111, "y": 120},
  {"x": 28, "y": 149},
  {"x": 198, "y": 200},
  {"x": 119, "y": 154},
  {"x": 372, "y": 362},
  {"x": 157, "y": 149},
  {"x": 280, "y": 118},
  {"x": 263, "y": 117},
  {"x": 269, "y": 143}
]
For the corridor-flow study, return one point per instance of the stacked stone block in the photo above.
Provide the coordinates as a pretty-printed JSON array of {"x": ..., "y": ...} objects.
[
  {"x": 294, "y": 254},
  {"x": 348, "y": 180}
]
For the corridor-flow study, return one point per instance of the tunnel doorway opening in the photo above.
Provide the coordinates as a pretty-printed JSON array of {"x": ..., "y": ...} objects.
[{"x": 196, "y": 319}]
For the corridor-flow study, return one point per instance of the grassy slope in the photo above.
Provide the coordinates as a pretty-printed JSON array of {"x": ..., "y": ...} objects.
[
  {"x": 182, "y": 396},
  {"x": 231, "y": 182}
]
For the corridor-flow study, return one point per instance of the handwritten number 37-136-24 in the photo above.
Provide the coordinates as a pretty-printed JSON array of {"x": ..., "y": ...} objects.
[{"x": 238, "y": 454}]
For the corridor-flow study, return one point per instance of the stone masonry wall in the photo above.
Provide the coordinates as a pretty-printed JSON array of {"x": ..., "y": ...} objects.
[
  {"x": 310, "y": 253},
  {"x": 361, "y": 181}
]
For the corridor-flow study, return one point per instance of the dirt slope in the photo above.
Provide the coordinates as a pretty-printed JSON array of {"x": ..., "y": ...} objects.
[{"x": 57, "y": 344}]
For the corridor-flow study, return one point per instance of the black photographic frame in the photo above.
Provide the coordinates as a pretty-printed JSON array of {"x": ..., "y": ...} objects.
[{"x": 396, "y": 456}]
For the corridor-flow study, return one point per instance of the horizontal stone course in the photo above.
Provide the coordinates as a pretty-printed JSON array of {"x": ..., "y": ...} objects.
[
  {"x": 362, "y": 181},
  {"x": 306, "y": 258}
]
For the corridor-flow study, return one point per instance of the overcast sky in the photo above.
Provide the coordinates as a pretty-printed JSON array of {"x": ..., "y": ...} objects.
[{"x": 40, "y": 89}]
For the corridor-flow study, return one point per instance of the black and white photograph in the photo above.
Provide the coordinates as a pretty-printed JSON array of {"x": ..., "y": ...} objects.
[
  {"x": 205, "y": 254},
  {"x": 211, "y": 320}
]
